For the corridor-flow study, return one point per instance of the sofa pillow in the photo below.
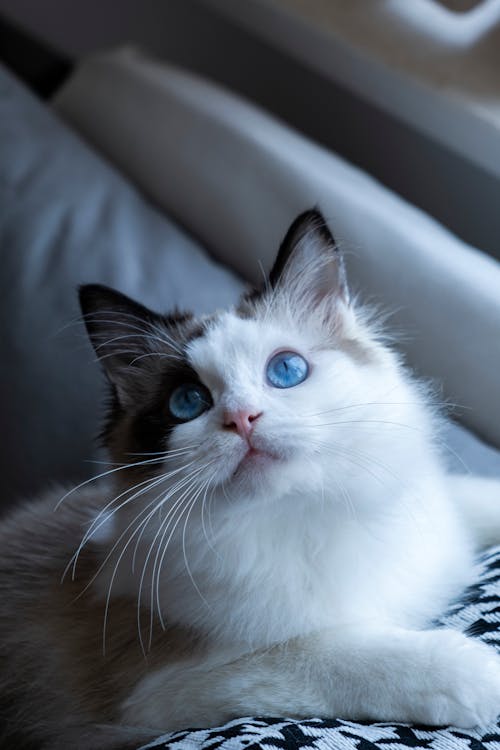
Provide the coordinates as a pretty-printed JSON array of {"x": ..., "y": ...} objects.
[{"x": 67, "y": 217}]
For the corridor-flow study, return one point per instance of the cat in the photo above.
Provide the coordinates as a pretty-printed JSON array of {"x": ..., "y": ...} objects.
[{"x": 275, "y": 533}]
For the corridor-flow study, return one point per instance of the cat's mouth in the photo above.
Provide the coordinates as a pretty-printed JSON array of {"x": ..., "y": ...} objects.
[{"x": 253, "y": 458}]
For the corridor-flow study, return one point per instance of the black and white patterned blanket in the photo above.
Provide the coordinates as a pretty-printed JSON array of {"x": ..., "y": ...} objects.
[{"x": 477, "y": 614}]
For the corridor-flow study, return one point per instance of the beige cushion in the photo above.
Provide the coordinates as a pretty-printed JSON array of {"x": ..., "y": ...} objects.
[{"x": 236, "y": 177}]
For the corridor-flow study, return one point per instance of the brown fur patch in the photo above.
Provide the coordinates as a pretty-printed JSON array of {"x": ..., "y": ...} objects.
[
  {"x": 361, "y": 354},
  {"x": 53, "y": 674}
]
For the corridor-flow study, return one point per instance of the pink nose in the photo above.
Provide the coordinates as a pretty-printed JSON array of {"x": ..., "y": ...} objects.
[{"x": 240, "y": 421}]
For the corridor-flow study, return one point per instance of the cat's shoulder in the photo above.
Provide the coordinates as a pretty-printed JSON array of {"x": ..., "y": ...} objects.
[{"x": 44, "y": 531}]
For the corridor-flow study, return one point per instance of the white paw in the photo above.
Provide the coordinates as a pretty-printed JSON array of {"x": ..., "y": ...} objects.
[{"x": 461, "y": 686}]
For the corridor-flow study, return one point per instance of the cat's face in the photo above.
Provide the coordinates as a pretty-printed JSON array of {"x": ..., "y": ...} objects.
[
  {"x": 272, "y": 384},
  {"x": 251, "y": 404}
]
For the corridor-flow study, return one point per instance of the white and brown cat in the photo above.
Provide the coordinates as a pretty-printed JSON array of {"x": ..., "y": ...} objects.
[{"x": 275, "y": 533}]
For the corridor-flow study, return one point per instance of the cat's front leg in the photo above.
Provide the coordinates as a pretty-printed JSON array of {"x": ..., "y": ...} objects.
[{"x": 437, "y": 677}]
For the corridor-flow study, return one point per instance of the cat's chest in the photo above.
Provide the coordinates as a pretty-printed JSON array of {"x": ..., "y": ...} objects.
[
  {"x": 276, "y": 583},
  {"x": 259, "y": 583}
]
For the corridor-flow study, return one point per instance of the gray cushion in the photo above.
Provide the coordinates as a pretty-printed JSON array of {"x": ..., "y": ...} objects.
[
  {"x": 67, "y": 217},
  {"x": 465, "y": 453}
]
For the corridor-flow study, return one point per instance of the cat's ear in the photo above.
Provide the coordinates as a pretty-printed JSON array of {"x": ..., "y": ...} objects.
[
  {"x": 121, "y": 331},
  {"x": 310, "y": 255}
]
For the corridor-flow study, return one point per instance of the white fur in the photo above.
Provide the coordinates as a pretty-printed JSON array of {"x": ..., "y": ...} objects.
[
  {"x": 317, "y": 537},
  {"x": 314, "y": 575}
]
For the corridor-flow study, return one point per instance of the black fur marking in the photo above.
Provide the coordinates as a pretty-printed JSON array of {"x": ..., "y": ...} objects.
[
  {"x": 251, "y": 297},
  {"x": 113, "y": 414},
  {"x": 123, "y": 331},
  {"x": 153, "y": 425},
  {"x": 308, "y": 222},
  {"x": 294, "y": 256},
  {"x": 98, "y": 299}
]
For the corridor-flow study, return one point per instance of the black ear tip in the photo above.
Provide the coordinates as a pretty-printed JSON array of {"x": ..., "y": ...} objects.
[
  {"x": 85, "y": 295},
  {"x": 313, "y": 215},
  {"x": 311, "y": 220},
  {"x": 90, "y": 295}
]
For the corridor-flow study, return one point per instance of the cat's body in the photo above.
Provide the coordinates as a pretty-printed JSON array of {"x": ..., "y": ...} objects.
[{"x": 280, "y": 540}]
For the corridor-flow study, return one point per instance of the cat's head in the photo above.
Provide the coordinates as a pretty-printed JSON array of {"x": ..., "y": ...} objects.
[{"x": 277, "y": 396}]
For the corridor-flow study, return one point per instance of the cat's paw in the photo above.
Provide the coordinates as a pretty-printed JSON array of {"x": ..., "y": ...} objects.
[{"x": 462, "y": 684}]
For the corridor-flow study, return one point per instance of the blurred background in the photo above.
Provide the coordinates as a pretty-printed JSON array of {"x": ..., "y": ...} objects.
[{"x": 407, "y": 89}]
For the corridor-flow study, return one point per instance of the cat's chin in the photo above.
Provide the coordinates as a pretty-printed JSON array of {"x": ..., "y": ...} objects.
[
  {"x": 261, "y": 475},
  {"x": 257, "y": 469},
  {"x": 256, "y": 459}
]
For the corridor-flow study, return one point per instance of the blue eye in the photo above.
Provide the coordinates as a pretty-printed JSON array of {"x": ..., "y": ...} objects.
[
  {"x": 189, "y": 400},
  {"x": 286, "y": 369}
]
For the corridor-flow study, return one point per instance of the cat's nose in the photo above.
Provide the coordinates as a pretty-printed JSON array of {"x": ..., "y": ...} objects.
[{"x": 241, "y": 421}]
